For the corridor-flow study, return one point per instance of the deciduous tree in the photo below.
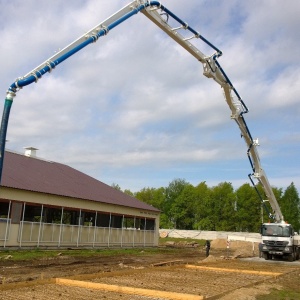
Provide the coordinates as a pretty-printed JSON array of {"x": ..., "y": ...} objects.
[{"x": 290, "y": 206}]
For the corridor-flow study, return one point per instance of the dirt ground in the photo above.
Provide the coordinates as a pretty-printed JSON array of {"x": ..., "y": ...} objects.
[{"x": 235, "y": 278}]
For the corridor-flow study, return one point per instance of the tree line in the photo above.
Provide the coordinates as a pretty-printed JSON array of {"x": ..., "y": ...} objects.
[{"x": 217, "y": 208}]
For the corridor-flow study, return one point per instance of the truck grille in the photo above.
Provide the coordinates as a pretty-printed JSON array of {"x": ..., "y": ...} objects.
[{"x": 275, "y": 243}]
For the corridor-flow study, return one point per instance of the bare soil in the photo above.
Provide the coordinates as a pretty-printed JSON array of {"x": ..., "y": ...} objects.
[{"x": 164, "y": 271}]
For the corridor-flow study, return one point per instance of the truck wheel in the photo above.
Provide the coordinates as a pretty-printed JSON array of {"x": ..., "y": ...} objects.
[
  {"x": 291, "y": 257},
  {"x": 266, "y": 256}
]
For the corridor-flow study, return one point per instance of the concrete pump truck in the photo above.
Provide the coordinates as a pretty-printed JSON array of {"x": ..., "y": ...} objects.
[{"x": 278, "y": 238}]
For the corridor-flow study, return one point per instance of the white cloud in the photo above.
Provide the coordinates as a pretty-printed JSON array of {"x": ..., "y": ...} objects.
[{"x": 135, "y": 99}]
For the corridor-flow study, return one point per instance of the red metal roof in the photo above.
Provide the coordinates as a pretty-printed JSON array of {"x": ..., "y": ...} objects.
[{"x": 34, "y": 174}]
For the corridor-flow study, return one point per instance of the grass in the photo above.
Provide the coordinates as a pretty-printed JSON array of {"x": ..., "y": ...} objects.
[
  {"x": 280, "y": 295},
  {"x": 18, "y": 255}
]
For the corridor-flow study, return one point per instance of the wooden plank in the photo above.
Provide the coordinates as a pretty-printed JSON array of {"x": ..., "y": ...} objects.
[
  {"x": 128, "y": 290},
  {"x": 25, "y": 284},
  {"x": 262, "y": 273},
  {"x": 167, "y": 263}
]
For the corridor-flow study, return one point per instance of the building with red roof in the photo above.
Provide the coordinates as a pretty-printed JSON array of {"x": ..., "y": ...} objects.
[{"x": 48, "y": 204}]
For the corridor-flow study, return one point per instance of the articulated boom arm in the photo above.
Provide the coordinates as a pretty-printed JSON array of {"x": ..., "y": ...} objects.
[
  {"x": 258, "y": 172},
  {"x": 160, "y": 15},
  {"x": 212, "y": 69}
]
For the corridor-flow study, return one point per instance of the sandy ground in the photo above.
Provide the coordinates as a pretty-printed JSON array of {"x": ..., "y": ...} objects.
[{"x": 19, "y": 280}]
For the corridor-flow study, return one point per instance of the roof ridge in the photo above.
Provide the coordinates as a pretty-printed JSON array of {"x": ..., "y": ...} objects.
[{"x": 34, "y": 157}]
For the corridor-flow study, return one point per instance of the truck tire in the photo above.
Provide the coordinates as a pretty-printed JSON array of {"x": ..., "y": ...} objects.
[
  {"x": 292, "y": 257},
  {"x": 266, "y": 256}
]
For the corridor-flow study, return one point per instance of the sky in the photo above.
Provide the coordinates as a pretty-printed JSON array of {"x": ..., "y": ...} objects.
[{"x": 134, "y": 108}]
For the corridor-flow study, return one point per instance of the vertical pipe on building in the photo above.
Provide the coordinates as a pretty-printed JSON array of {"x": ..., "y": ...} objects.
[
  {"x": 89, "y": 231},
  {"x": 7, "y": 222},
  {"x": 79, "y": 224},
  {"x": 30, "y": 238},
  {"x": 95, "y": 229},
  {"x": 52, "y": 224},
  {"x": 38, "y": 243},
  {"x": 145, "y": 232},
  {"x": 122, "y": 225},
  {"x": 60, "y": 227},
  {"x": 21, "y": 227},
  {"x": 109, "y": 230},
  {"x": 72, "y": 231},
  {"x": 134, "y": 230}
]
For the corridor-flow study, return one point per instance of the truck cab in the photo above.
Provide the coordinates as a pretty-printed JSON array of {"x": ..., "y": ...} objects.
[{"x": 279, "y": 240}]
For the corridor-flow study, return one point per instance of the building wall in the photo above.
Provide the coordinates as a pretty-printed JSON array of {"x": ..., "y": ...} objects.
[{"x": 41, "y": 220}]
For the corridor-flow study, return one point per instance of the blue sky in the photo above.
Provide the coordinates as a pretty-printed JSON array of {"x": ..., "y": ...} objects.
[{"x": 134, "y": 108}]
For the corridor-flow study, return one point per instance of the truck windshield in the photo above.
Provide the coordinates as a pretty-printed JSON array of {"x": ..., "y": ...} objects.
[{"x": 276, "y": 230}]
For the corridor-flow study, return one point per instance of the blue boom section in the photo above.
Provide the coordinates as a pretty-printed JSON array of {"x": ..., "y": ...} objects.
[{"x": 52, "y": 64}]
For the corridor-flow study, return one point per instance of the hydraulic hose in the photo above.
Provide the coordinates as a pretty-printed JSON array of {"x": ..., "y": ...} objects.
[{"x": 4, "y": 123}]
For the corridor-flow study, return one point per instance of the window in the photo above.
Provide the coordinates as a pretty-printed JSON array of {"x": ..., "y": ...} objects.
[
  {"x": 103, "y": 220},
  {"x": 276, "y": 230},
  {"x": 145, "y": 224},
  {"x": 71, "y": 217},
  {"x": 150, "y": 224},
  {"x": 52, "y": 215},
  {"x": 4, "y": 207},
  {"x": 88, "y": 218},
  {"x": 128, "y": 222},
  {"x": 116, "y": 221},
  {"x": 32, "y": 213}
]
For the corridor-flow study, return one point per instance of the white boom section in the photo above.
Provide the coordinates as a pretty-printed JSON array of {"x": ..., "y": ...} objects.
[
  {"x": 259, "y": 173},
  {"x": 208, "y": 63},
  {"x": 211, "y": 69}
]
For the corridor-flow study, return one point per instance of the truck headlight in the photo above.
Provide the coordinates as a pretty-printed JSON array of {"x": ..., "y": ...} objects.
[
  {"x": 265, "y": 247},
  {"x": 287, "y": 249}
]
